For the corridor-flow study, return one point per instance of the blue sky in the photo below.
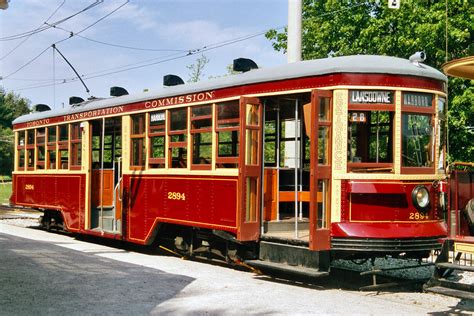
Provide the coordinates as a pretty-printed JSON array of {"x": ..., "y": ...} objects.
[{"x": 174, "y": 25}]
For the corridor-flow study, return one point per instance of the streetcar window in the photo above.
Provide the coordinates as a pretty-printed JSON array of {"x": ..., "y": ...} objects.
[
  {"x": 40, "y": 147},
  {"x": 21, "y": 159},
  {"x": 30, "y": 137},
  {"x": 178, "y": 138},
  {"x": 63, "y": 146},
  {"x": 64, "y": 159},
  {"x": 201, "y": 133},
  {"x": 76, "y": 145},
  {"x": 51, "y": 159},
  {"x": 52, "y": 135},
  {"x": 370, "y": 137},
  {"x": 157, "y": 135},
  {"x": 21, "y": 150},
  {"x": 138, "y": 140},
  {"x": 63, "y": 133},
  {"x": 30, "y": 153},
  {"x": 30, "y": 149},
  {"x": 227, "y": 129},
  {"x": 417, "y": 140},
  {"x": 442, "y": 126}
]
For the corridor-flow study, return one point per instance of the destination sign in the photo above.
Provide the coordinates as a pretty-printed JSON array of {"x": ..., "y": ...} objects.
[
  {"x": 418, "y": 99},
  {"x": 157, "y": 117},
  {"x": 371, "y": 97}
]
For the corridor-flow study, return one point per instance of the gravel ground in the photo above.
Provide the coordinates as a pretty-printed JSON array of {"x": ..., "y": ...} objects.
[{"x": 215, "y": 290}]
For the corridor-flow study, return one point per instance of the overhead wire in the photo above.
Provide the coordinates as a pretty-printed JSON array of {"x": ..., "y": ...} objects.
[
  {"x": 152, "y": 62},
  {"x": 29, "y": 36},
  {"x": 43, "y": 28},
  {"x": 60, "y": 41}
]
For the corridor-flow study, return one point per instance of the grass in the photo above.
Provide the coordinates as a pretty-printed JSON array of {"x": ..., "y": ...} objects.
[{"x": 5, "y": 192}]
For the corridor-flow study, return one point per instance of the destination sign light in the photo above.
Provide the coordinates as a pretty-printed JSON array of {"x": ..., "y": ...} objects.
[{"x": 371, "y": 97}]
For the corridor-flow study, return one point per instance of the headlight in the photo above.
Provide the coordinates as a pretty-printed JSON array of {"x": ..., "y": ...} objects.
[{"x": 421, "y": 198}]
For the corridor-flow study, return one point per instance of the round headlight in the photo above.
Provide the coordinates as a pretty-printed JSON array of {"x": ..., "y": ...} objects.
[{"x": 421, "y": 198}]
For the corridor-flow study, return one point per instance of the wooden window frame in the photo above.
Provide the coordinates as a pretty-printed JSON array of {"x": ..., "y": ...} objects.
[
  {"x": 151, "y": 134},
  {"x": 196, "y": 131},
  {"x": 141, "y": 136},
  {"x": 418, "y": 110},
  {"x": 20, "y": 147},
  {"x": 177, "y": 144},
  {"x": 374, "y": 166},
  {"x": 28, "y": 148},
  {"x": 237, "y": 128},
  {"x": 63, "y": 145},
  {"x": 51, "y": 145},
  {"x": 75, "y": 140}
]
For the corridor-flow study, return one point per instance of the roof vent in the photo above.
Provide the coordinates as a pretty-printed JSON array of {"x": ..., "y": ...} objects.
[
  {"x": 41, "y": 108},
  {"x": 244, "y": 64},
  {"x": 172, "y": 80},
  {"x": 118, "y": 91},
  {"x": 75, "y": 100}
]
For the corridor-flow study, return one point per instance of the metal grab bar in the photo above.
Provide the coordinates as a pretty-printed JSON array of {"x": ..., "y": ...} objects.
[{"x": 119, "y": 164}]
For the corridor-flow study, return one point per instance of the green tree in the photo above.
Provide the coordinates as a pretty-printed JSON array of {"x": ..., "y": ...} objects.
[
  {"x": 348, "y": 27},
  {"x": 196, "y": 69},
  {"x": 11, "y": 107}
]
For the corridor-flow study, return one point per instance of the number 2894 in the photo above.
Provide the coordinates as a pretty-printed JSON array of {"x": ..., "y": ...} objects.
[{"x": 176, "y": 196}]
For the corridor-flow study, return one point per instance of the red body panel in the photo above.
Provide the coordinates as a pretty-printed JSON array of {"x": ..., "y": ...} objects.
[
  {"x": 209, "y": 202},
  {"x": 389, "y": 230},
  {"x": 384, "y": 209},
  {"x": 51, "y": 191}
]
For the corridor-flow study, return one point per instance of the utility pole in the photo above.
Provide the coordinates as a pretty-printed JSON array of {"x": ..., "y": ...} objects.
[{"x": 293, "y": 49}]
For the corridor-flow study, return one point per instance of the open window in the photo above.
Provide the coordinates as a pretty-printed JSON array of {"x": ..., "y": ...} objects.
[
  {"x": 63, "y": 146},
  {"x": 177, "y": 136},
  {"x": 370, "y": 138},
  {"x": 227, "y": 129},
  {"x": 76, "y": 146},
  {"x": 138, "y": 142},
  {"x": 201, "y": 133},
  {"x": 51, "y": 148},
  {"x": 20, "y": 147},
  {"x": 30, "y": 149}
]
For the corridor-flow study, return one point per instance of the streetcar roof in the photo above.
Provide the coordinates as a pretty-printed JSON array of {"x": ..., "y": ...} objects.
[{"x": 308, "y": 68}]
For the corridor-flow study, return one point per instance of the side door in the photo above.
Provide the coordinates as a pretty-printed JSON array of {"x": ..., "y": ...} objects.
[
  {"x": 250, "y": 169},
  {"x": 320, "y": 169}
]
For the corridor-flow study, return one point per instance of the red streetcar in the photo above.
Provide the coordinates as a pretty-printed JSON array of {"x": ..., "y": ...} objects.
[{"x": 290, "y": 166}]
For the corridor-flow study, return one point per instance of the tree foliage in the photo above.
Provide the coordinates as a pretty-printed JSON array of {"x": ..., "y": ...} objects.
[
  {"x": 348, "y": 27},
  {"x": 196, "y": 69},
  {"x": 11, "y": 107}
]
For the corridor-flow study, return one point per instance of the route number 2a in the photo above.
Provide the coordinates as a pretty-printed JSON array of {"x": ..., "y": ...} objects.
[{"x": 176, "y": 196}]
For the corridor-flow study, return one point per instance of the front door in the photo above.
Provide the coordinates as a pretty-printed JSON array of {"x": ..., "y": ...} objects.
[
  {"x": 106, "y": 145},
  {"x": 320, "y": 130},
  {"x": 250, "y": 168}
]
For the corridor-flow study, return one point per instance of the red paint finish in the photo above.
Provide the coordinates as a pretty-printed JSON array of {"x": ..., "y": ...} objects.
[
  {"x": 349, "y": 79},
  {"x": 372, "y": 201},
  {"x": 461, "y": 191},
  {"x": 209, "y": 202},
  {"x": 57, "y": 192},
  {"x": 388, "y": 230}
]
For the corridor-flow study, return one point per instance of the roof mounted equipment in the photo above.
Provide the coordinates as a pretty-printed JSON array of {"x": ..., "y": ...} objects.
[{"x": 244, "y": 64}]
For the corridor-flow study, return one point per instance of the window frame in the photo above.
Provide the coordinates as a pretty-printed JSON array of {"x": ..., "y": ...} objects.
[
  {"x": 386, "y": 167},
  {"x": 199, "y": 131},
  {"x": 418, "y": 110},
  {"x": 139, "y": 136}
]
